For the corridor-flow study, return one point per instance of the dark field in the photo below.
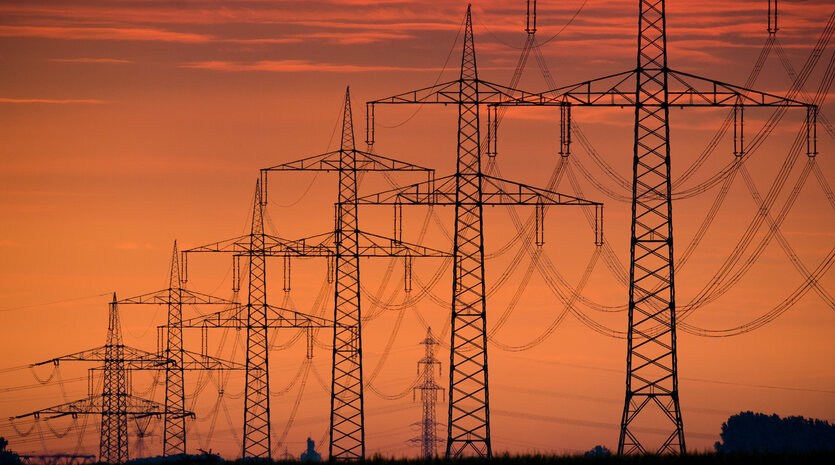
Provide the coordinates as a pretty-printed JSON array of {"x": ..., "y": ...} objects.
[{"x": 827, "y": 457}]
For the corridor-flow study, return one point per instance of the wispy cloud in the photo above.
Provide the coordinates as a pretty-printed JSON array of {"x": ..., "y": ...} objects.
[
  {"x": 50, "y": 100},
  {"x": 102, "y": 33},
  {"x": 294, "y": 66},
  {"x": 91, "y": 60},
  {"x": 350, "y": 38}
]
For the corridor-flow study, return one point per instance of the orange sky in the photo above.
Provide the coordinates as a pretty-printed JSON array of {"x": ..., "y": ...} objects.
[{"x": 128, "y": 124}]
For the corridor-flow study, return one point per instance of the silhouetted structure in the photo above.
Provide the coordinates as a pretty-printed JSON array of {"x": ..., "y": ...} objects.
[
  {"x": 758, "y": 432},
  {"x": 346, "y": 244},
  {"x": 469, "y": 190},
  {"x": 115, "y": 403},
  {"x": 174, "y": 297},
  {"x": 652, "y": 361},
  {"x": 310, "y": 455},
  {"x": 428, "y": 389}
]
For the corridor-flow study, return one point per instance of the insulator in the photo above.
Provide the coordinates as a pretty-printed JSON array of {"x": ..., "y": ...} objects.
[
  {"x": 530, "y": 24},
  {"x": 492, "y": 130},
  {"x": 739, "y": 127},
  {"x": 309, "y": 343},
  {"x": 398, "y": 222},
  {"x": 598, "y": 224},
  {"x": 811, "y": 130},
  {"x": 236, "y": 273},
  {"x": 286, "y": 272},
  {"x": 184, "y": 265},
  {"x": 565, "y": 129},
  {"x": 204, "y": 341},
  {"x": 264, "y": 187},
  {"x": 369, "y": 124},
  {"x": 540, "y": 224},
  {"x": 407, "y": 273},
  {"x": 160, "y": 339}
]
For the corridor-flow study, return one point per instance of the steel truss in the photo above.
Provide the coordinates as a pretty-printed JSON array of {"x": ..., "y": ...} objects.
[
  {"x": 346, "y": 245},
  {"x": 115, "y": 404},
  {"x": 652, "y": 89},
  {"x": 469, "y": 190},
  {"x": 178, "y": 359}
]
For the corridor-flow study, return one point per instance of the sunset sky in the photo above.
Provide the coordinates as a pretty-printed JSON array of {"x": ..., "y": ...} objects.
[{"x": 127, "y": 124}]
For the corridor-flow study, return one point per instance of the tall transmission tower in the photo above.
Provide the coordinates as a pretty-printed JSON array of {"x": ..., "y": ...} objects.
[
  {"x": 468, "y": 190},
  {"x": 256, "y": 316},
  {"x": 652, "y": 88},
  {"x": 115, "y": 403},
  {"x": 347, "y": 244},
  {"x": 428, "y": 389},
  {"x": 174, "y": 297}
]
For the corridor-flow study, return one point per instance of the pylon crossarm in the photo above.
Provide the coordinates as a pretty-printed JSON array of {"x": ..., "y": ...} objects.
[
  {"x": 187, "y": 297},
  {"x": 195, "y": 361},
  {"x": 238, "y": 244},
  {"x": 277, "y": 317},
  {"x": 99, "y": 354},
  {"x": 242, "y": 245},
  {"x": 134, "y": 406},
  {"x": 701, "y": 91},
  {"x": 79, "y": 407},
  {"x": 497, "y": 191},
  {"x": 445, "y": 92},
  {"x": 373, "y": 245},
  {"x": 450, "y": 92},
  {"x": 192, "y": 361},
  {"x": 439, "y": 191},
  {"x": 615, "y": 89},
  {"x": 330, "y": 161},
  {"x": 320, "y": 245},
  {"x": 685, "y": 90}
]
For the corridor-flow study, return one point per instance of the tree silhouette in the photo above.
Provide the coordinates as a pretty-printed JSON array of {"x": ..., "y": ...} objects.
[{"x": 758, "y": 432}]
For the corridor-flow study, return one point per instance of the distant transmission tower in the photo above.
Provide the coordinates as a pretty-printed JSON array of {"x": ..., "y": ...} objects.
[
  {"x": 115, "y": 404},
  {"x": 428, "y": 388},
  {"x": 179, "y": 359}
]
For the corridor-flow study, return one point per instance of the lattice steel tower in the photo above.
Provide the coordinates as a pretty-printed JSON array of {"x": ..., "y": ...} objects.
[
  {"x": 428, "y": 389},
  {"x": 468, "y": 190},
  {"x": 347, "y": 243},
  {"x": 652, "y": 365},
  {"x": 115, "y": 403}
]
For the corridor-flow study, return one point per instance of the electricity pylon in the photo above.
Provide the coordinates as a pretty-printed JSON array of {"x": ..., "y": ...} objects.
[
  {"x": 115, "y": 403},
  {"x": 652, "y": 88},
  {"x": 468, "y": 190},
  {"x": 257, "y": 317},
  {"x": 428, "y": 389},
  {"x": 348, "y": 432},
  {"x": 174, "y": 297},
  {"x": 347, "y": 244}
]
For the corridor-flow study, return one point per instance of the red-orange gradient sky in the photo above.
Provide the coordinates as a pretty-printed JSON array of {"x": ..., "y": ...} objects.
[{"x": 128, "y": 124}]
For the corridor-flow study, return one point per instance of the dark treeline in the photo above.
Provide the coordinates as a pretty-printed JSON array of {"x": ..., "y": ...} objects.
[{"x": 756, "y": 432}]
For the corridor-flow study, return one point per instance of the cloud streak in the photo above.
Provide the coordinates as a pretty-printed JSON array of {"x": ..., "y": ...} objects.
[
  {"x": 295, "y": 66},
  {"x": 102, "y": 33},
  {"x": 51, "y": 100},
  {"x": 92, "y": 60}
]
